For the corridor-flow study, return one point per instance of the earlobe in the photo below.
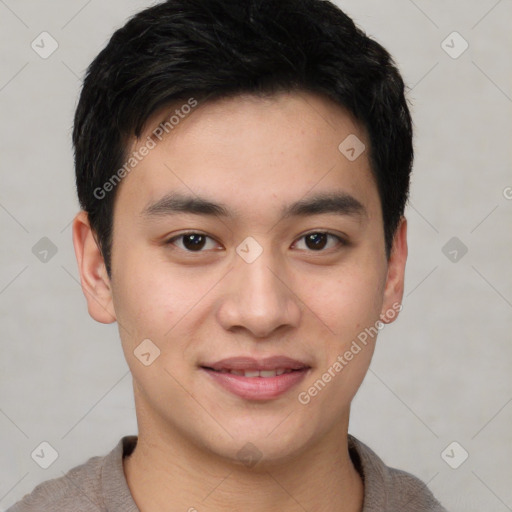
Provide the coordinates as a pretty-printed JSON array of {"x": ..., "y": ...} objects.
[
  {"x": 394, "y": 288},
  {"x": 93, "y": 275}
]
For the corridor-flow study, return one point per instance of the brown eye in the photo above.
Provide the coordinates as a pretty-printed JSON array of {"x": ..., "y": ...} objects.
[
  {"x": 316, "y": 240},
  {"x": 192, "y": 242},
  {"x": 320, "y": 240}
]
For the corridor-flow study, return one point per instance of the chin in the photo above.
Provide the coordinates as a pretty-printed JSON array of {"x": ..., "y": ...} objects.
[{"x": 265, "y": 446}]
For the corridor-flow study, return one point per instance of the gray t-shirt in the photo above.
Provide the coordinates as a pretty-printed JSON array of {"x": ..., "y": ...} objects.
[{"x": 99, "y": 485}]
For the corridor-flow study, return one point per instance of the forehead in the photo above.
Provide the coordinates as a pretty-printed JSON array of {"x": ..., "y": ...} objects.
[{"x": 251, "y": 153}]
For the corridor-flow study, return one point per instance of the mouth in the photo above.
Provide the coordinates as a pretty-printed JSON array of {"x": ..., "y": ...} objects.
[
  {"x": 254, "y": 379},
  {"x": 254, "y": 373}
]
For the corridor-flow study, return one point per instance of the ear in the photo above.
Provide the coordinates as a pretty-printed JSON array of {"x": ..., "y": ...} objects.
[
  {"x": 93, "y": 274},
  {"x": 394, "y": 289}
]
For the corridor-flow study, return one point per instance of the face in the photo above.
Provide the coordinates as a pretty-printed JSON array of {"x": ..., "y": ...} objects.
[{"x": 246, "y": 241}]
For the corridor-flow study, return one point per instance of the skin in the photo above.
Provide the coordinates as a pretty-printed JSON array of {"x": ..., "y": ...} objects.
[{"x": 253, "y": 155}]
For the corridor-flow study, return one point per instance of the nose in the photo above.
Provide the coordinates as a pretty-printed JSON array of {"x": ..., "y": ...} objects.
[{"x": 257, "y": 297}]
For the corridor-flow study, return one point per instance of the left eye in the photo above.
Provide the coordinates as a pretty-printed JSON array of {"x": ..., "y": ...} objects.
[{"x": 320, "y": 240}]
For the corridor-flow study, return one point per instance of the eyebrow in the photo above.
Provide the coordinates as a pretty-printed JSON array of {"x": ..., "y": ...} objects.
[{"x": 174, "y": 203}]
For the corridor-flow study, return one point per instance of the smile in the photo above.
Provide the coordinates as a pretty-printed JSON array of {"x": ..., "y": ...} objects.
[
  {"x": 257, "y": 384},
  {"x": 256, "y": 373}
]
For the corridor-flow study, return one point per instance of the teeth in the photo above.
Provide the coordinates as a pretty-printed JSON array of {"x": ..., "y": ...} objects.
[{"x": 258, "y": 373}]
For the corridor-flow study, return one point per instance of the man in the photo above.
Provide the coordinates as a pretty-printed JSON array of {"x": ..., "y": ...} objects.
[{"x": 242, "y": 169}]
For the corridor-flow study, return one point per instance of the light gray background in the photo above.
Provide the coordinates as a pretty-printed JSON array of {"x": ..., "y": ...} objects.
[{"x": 441, "y": 373}]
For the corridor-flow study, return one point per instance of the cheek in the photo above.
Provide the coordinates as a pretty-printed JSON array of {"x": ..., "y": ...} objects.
[
  {"x": 347, "y": 301},
  {"x": 156, "y": 300},
  {"x": 145, "y": 308},
  {"x": 350, "y": 306},
  {"x": 142, "y": 304},
  {"x": 153, "y": 305}
]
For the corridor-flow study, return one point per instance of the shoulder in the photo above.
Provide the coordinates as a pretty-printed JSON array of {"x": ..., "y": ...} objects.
[
  {"x": 387, "y": 488},
  {"x": 409, "y": 493},
  {"x": 80, "y": 489}
]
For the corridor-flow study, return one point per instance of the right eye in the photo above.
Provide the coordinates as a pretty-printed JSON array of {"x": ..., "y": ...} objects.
[{"x": 191, "y": 241}]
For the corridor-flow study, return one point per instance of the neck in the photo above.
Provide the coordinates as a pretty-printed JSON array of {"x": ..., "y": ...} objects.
[{"x": 167, "y": 473}]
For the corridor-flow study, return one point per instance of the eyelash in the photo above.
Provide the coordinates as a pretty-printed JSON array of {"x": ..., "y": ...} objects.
[{"x": 341, "y": 241}]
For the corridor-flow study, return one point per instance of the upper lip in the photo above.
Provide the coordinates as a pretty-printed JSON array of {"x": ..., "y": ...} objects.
[{"x": 250, "y": 363}]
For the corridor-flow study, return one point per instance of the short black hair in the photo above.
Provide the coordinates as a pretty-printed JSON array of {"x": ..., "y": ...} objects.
[{"x": 212, "y": 49}]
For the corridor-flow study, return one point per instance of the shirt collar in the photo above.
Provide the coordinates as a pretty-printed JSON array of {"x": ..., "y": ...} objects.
[{"x": 117, "y": 496}]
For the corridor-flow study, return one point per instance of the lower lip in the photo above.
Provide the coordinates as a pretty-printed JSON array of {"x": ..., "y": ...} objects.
[{"x": 257, "y": 388}]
